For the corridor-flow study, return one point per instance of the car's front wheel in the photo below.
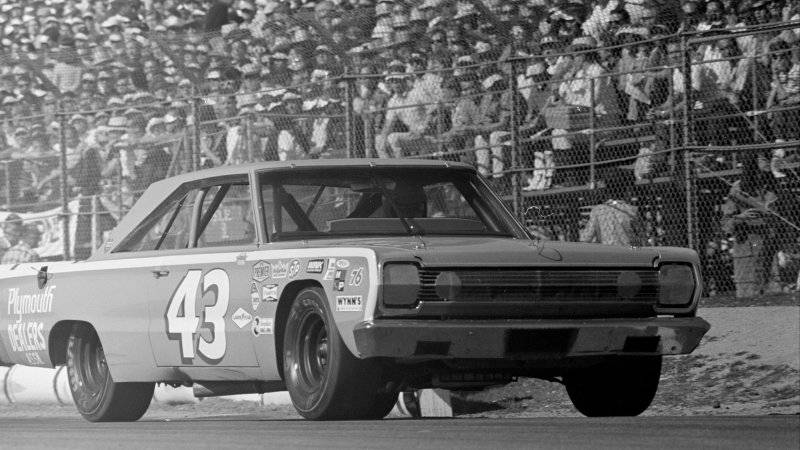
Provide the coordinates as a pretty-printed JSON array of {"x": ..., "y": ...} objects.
[
  {"x": 622, "y": 386},
  {"x": 97, "y": 397},
  {"x": 325, "y": 380}
]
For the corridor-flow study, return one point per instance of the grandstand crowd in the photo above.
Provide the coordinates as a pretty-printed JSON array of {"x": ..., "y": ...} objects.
[{"x": 141, "y": 89}]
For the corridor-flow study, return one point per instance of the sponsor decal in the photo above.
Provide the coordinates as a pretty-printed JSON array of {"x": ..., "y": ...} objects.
[
  {"x": 330, "y": 270},
  {"x": 261, "y": 271},
  {"x": 255, "y": 299},
  {"x": 241, "y": 318},
  {"x": 262, "y": 326},
  {"x": 338, "y": 281},
  {"x": 24, "y": 334},
  {"x": 342, "y": 263},
  {"x": 349, "y": 303},
  {"x": 356, "y": 277},
  {"x": 269, "y": 293},
  {"x": 280, "y": 269},
  {"x": 29, "y": 304},
  {"x": 315, "y": 266},
  {"x": 294, "y": 268}
]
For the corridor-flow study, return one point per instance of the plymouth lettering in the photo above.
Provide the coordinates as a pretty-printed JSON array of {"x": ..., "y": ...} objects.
[{"x": 24, "y": 304}]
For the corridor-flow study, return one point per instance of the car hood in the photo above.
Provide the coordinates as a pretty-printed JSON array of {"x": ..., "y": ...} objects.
[{"x": 488, "y": 251}]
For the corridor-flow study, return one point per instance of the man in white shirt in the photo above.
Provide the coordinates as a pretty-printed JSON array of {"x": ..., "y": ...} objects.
[{"x": 407, "y": 109}]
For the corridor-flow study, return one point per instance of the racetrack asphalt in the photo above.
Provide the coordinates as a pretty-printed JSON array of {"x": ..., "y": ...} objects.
[{"x": 230, "y": 432}]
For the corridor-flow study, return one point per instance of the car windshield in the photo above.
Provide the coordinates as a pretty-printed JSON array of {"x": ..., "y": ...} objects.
[{"x": 334, "y": 202}]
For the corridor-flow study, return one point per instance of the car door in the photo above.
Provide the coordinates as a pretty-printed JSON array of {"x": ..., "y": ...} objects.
[{"x": 199, "y": 312}]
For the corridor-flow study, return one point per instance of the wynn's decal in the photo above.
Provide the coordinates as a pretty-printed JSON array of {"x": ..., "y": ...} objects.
[{"x": 349, "y": 303}]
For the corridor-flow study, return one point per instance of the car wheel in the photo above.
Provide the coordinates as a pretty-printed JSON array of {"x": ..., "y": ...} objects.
[
  {"x": 623, "y": 386},
  {"x": 97, "y": 397},
  {"x": 325, "y": 380}
]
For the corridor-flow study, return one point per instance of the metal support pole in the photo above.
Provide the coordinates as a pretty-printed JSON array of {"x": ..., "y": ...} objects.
[
  {"x": 754, "y": 93},
  {"x": 349, "y": 135},
  {"x": 687, "y": 139},
  {"x": 687, "y": 90},
  {"x": 195, "y": 149},
  {"x": 248, "y": 145},
  {"x": 515, "y": 113},
  {"x": 64, "y": 187},
  {"x": 592, "y": 138},
  {"x": 94, "y": 210}
]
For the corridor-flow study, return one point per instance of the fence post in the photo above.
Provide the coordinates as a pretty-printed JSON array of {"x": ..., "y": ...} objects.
[
  {"x": 349, "y": 135},
  {"x": 195, "y": 148},
  {"x": 592, "y": 138},
  {"x": 687, "y": 138},
  {"x": 64, "y": 185},
  {"x": 515, "y": 112},
  {"x": 754, "y": 93},
  {"x": 245, "y": 126},
  {"x": 94, "y": 223}
]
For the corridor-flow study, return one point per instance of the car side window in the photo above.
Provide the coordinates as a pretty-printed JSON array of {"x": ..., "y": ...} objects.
[
  {"x": 227, "y": 217},
  {"x": 167, "y": 230}
]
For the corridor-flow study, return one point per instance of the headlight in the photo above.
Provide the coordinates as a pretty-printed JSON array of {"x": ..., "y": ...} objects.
[
  {"x": 400, "y": 284},
  {"x": 677, "y": 284}
]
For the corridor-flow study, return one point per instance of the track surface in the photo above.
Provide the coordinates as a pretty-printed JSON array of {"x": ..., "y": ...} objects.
[{"x": 251, "y": 432}]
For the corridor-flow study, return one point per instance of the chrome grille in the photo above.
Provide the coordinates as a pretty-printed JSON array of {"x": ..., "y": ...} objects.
[{"x": 550, "y": 285}]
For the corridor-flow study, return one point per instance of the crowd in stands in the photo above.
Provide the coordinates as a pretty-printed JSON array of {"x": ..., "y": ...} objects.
[{"x": 156, "y": 87}]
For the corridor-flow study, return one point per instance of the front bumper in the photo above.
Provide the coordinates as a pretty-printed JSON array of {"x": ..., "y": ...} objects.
[{"x": 527, "y": 339}]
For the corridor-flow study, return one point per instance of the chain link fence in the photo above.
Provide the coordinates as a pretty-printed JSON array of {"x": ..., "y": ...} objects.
[{"x": 689, "y": 136}]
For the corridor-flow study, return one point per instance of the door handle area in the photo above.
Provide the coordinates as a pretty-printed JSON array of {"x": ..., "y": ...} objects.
[{"x": 159, "y": 273}]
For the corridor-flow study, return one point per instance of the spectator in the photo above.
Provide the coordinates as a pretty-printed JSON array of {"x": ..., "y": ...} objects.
[
  {"x": 615, "y": 222},
  {"x": 12, "y": 228},
  {"x": 23, "y": 251},
  {"x": 404, "y": 112}
]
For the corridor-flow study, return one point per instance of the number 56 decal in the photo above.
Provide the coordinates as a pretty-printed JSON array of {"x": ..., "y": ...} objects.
[{"x": 182, "y": 320}]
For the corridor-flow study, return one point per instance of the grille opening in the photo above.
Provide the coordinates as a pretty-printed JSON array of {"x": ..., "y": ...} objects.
[
  {"x": 541, "y": 342},
  {"x": 439, "y": 348},
  {"x": 641, "y": 344}
]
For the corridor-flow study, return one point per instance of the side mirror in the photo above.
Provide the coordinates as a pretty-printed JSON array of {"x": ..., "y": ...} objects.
[{"x": 41, "y": 277}]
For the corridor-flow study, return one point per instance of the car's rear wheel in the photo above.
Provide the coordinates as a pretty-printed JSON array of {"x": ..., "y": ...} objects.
[
  {"x": 325, "y": 380},
  {"x": 96, "y": 395},
  {"x": 622, "y": 386}
]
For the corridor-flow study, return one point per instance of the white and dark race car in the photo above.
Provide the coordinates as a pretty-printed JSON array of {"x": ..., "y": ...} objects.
[{"x": 346, "y": 282}]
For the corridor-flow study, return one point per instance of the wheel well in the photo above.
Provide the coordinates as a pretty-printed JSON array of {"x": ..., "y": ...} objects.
[
  {"x": 282, "y": 312},
  {"x": 57, "y": 342}
]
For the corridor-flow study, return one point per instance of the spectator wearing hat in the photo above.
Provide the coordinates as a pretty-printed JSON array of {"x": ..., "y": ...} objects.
[
  {"x": 426, "y": 84},
  {"x": 24, "y": 250},
  {"x": 292, "y": 138},
  {"x": 369, "y": 99},
  {"x": 406, "y": 121},
  {"x": 465, "y": 119},
  {"x": 495, "y": 124},
  {"x": 11, "y": 228},
  {"x": 586, "y": 85}
]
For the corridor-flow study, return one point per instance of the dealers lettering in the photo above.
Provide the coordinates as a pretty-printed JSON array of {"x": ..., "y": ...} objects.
[
  {"x": 25, "y": 304},
  {"x": 27, "y": 336}
]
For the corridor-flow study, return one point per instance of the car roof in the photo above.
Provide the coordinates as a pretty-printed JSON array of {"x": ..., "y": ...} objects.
[{"x": 158, "y": 191}]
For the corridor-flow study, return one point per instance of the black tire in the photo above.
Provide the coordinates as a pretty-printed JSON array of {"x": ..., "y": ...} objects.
[
  {"x": 97, "y": 397},
  {"x": 623, "y": 386},
  {"x": 325, "y": 380}
]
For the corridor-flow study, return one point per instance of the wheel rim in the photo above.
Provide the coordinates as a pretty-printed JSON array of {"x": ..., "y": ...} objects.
[
  {"x": 312, "y": 351},
  {"x": 91, "y": 374}
]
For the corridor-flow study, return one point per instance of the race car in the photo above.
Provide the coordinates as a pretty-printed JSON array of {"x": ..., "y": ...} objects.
[{"x": 346, "y": 282}]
